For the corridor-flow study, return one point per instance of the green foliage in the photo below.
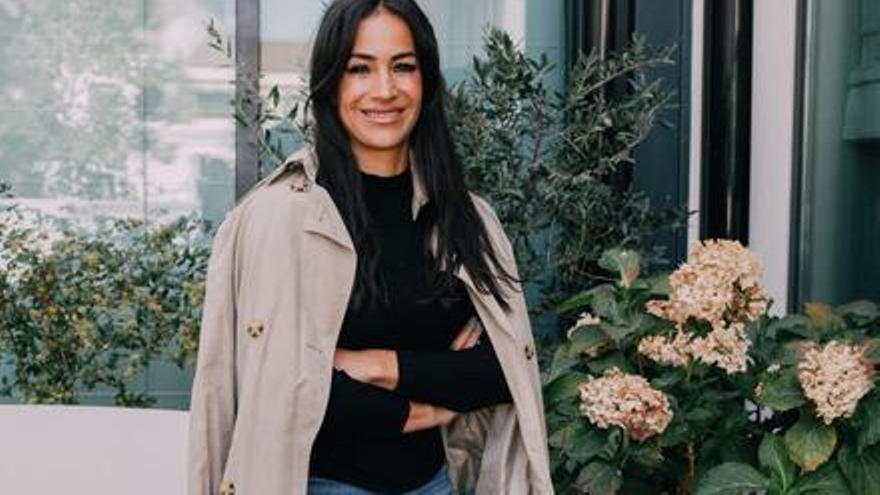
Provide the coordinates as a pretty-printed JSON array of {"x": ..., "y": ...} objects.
[
  {"x": 548, "y": 162},
  {"x": 89, "y": 312},
  {"x": 277, "y": 120},
  {"x": 748, "y": 432},
  {"x": 72, "y": 73}
]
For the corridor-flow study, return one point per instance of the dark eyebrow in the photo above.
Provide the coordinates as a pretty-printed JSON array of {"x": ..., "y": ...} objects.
[{"x": 367, "y": 56}]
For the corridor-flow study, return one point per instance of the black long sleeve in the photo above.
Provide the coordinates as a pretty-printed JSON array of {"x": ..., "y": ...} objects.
[
  {"x": 419, "y": 316},
  {"x": 358, "y": 410},
  {"x": 459, "y": 380}
]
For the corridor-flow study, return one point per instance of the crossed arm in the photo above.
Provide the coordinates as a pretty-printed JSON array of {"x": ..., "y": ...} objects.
[{"x": 376, "y": 390}]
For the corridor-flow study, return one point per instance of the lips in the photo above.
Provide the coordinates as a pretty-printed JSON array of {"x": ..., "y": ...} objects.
[{"x": 387, "y": 116}]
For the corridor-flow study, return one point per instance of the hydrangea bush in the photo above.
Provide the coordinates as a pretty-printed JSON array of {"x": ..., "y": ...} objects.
[{"x": 682, "y": 383}]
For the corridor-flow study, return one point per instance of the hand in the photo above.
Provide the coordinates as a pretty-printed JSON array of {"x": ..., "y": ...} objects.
[
  {"x": 371, "y": 366},
  {"x": 424, "y": 416},
  {"x": 468, "y": 336}
]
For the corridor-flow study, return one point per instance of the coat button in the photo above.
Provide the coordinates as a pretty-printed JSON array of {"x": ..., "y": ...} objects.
[
  {"x": 530, "y": 352},
  {"x": 255, "y": 328},
  {"x": 227, "y": 488},
  {"x": 300, "y": 184}
]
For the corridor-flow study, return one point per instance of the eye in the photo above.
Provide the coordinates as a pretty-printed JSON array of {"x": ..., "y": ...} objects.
[
  {"x": 358, "y": 69},
  {"x": 406, "y": 67}
]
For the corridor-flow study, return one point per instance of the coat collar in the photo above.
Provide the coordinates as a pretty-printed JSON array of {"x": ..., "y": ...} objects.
[{"x": 307, "y": 159}]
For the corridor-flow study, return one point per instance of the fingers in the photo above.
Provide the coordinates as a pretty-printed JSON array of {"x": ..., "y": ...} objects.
[
  {"x": 444, "y": 416},
  {"x": 468, "y": 336}
]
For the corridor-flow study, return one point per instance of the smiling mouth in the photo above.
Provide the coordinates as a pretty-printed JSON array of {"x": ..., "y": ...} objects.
[{"x": 382, "y": 116}]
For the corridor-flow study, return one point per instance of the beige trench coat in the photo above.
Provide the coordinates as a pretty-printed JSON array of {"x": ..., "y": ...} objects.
[{"x": 278, "y": 284}]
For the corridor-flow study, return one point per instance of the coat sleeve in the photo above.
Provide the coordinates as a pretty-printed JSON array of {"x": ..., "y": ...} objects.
[{"x": 213, "y": 399}]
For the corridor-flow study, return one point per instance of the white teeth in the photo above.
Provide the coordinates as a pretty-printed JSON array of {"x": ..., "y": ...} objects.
[{"x": 381, "y": 115}]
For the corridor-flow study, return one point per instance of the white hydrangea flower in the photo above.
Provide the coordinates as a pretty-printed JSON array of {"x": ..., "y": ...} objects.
[
  {"x": 720, "y": 282},
  {"x": 835, "y": 378},
  {"x": 625, "y": 400},
  {"x": 725, "y": 346},
  {"x": 673, "y": 351}
]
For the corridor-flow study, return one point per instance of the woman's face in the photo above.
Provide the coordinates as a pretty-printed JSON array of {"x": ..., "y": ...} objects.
[{"x": 380, "y": 94}]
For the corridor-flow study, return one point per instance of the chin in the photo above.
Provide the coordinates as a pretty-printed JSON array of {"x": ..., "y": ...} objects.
[{"x": 379, "y": 142}]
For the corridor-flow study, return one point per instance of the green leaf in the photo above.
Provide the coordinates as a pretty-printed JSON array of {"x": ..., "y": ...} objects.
[
  {"x": 860, "y": 313},
  {"x": 590, "y": 444},
  {"x": 827, "y": 480},
  {"x": 822, "y": 317},
  {"x": 862, "y": 472},
  {"x": 648, "y": 455},
  {"x": 669, "y": 377},
  {"x": 810, "y": 443},
  {"x": 676, "y": 433},
  {"x": 773, "y": 456},
  {"x": 615, "y": 359},
  {"x": 562, "y": 363},
  {"x": 701, "y": 415},
  {"x": 587, "y": 340},
  {"x": 599, "y": 478},
  {"x": 578, "y": 440},
  {"x": 782, "y": 391},
  {"x": 576, "y": 302},
  {"x": 616, "y": 332},
  {"x": 866, "y": 421},
  {"x": 872, "y": 350},
  {"x": 624, "y": 262},
  {"x": 732, "y": 478},
  {"x": 605, "y": 303},
  {"x": 793, "y": 324},
  {"x": 658, "y": 285},
  {"x": 565, "y": 387}
]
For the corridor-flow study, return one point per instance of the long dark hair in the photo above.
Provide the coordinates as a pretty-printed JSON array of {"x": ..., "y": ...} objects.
[{"x": 461, "y": 236}]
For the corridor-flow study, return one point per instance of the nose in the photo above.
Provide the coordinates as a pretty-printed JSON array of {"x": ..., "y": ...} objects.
[{"x": 385, "y": 87}]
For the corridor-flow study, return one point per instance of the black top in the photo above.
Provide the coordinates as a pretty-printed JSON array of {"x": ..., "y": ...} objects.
[{"x": 361, "y": 441}]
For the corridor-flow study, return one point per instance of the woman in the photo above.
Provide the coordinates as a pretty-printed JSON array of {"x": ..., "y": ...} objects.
[{"x": 342, "y": 348}]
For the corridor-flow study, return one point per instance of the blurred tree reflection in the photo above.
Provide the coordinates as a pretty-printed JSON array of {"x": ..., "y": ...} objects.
[{"x": 79, "y": 81}]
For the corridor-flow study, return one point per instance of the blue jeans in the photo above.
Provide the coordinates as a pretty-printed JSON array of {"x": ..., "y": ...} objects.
[{"x": 438, "y": 485}]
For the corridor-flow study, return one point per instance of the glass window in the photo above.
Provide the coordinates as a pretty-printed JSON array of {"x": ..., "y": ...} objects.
[
  {"x": 115, "y": 109},
  {"x": 839, "y": 238}
]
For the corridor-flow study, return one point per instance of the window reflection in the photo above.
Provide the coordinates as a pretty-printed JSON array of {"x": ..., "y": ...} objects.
[{"x": 114, "y": 109}]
